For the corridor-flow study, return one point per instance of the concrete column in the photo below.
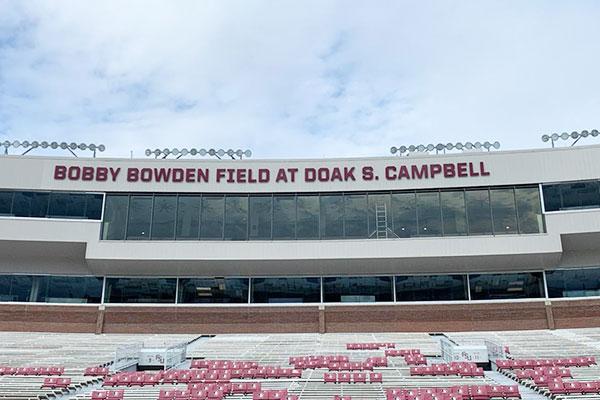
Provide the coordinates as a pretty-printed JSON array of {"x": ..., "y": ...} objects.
[
  {"x": 100, "y": 320},
  {"x": 322, "y": 325},
  {"x": 549, "y": 314}
]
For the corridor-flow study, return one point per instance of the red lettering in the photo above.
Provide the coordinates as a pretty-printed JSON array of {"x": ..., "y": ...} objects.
[
  {"x": 281, "y": 176},
  {"x": 435, "y": 169},
  {"x": 264, "y": 175},
  {"x": 310, "y": 175},
  {"x": 162, "y": 174},
  {"x": 472, "y": 171},
  {"x": 87, "y": 174},
  {"x": 203, "y": 175},
  {"x": 449, "y": 171},
  {"x": 462, "y": 170},
  {"x": 230, "y": 172},
  {"x": 60, "y": 172},
  {"x": 133, "y": 174},
  {"x": 419, "y": 172},
  {"x": 292, "y": 172},
  {"x": 482, "y": 169},
  {"x": 146, "y": 174},
  {"x": 102, "y": 174},
  {"x": 323, "y": 174},
  {"x": 220, "y": 174},
  {"x": 241, "y": 176},
  {"x": 349, "y": 174},
  {"x": 73, "y": 173},
  {"x": 403, "y": 173},
  {"x": 190, "y": 175},
  {"x": 336, "y": 175},
  {"x": 367, "y": 173},
  {"x": 178, "y": 175},
  {"x": 114, "y": 172},
  {"x": 390, "y": 171}
]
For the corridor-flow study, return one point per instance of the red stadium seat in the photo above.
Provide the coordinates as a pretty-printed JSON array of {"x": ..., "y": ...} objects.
[{"x": 375, "y": 377}]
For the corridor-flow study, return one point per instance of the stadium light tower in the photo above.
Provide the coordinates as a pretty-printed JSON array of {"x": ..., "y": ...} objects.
[
  {"x": 177, "y": 153},
  {"x": 576, "y": 136},
  {"x": 441, "y": 147},
  {"x": 71, "y": 147}
]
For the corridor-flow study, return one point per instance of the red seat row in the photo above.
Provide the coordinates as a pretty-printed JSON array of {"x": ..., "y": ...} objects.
[
  {"x": 357, "y": 377},
  {"x": 402, "y": 352},
  {"x": 556, "y": 362},
  {"x": 543, "y": 372},
  {"x": 574, "y": 387},
  {"x": 28, "y": 371},
  {"x": 227, "y": 388},
  {"x": 223, "y": 364},
  {"x": 96, "y": 371},
  {"x": 133, "y": 379},
  {"x": 466, "y": 392},
  {"x": 369, "y": 346},
  {"x": 56, "y": 383},
  {"x": 417, "y": 359},
  {"x": 350, "y": 366},
  {"x": 377, "y": 361},
  {"x": 328, "y": 358},
  {"x": 273, "y": 395},
  {"x": 108, "y": 394},
  {"x": 178, "y": 394},
  {"x": 464, "y": 369}
]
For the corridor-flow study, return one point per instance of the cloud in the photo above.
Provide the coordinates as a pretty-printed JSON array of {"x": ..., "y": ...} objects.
[{"x": 297, "y": 79}]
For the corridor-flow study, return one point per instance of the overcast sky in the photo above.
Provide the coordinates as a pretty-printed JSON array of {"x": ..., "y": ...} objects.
[{"x": 297, "y": 78}]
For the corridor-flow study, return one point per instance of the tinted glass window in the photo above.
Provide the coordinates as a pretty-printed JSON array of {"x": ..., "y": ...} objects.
[
  {"x": 163, "y": 218},
  {"x": 504, "y": 211},
  {"x": 140, "y": 290},
  {"x": 284, "y": 217},
  {"x": 573, "y": 282},
  {"x": 404, "y": 212},
  {"x": 6, "y": 203},
  {"x": 69, "y": 289},
  {"x": 188, "y": 217},
  {"x": 506, "y": 286},
  {"x": 93, "y": 206},
  {"x": 15, "y": 287},
  {"x": 286, "y": 290},
  {"x": 213, "y": 290},
  {"x": 67, "y": 205},
  {"x": 115, "y": 217},
  {"x": 355, "y": 215},
  {"x": 580, "y": 194},
  {"x": 478, "y": 212},
  {"x": 260, "y": 217},
  {"x": 431, "y": 288},
  {"x": 454, "y": 213},
  {"x": 332, "y": 216},
  {"x": 211, "y": 225},
  {"x": 529, "y": 209},
  {"x": 429, "y": 216},
  {"x": 552, "y": 197},
  {"x": 380, "y": 215},
  {"x": 30, "y": 204},
  {"x": 236, "y": 218},
  {"x": 308, "y": 217},
  {"x": 140, "y": 214},
  {"x": 357, "y": 289}
]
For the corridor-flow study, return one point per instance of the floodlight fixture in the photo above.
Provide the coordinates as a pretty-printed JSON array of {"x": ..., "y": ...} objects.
[
  {"x": 28, "y": 146},
  {"x": 575, "y": 136},
  {"x": 178, "y": 153},
  {"x": 443, "y": 147}
]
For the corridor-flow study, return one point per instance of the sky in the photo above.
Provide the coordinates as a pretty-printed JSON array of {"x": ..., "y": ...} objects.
[{"x": 297, "y": 79}]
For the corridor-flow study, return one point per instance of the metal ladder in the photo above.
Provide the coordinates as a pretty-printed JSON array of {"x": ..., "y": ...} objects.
[{"x": 381, "y": 224}]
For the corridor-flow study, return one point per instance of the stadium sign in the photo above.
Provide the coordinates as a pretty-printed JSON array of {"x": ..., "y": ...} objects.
[{"x": 365, "y": 173}]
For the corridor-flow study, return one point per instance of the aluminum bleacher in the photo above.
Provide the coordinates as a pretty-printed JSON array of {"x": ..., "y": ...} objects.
[{"x": 266, "y": 367}]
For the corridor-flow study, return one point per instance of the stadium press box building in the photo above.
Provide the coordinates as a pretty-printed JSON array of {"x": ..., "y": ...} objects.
[{"x": 465, "y": 241}]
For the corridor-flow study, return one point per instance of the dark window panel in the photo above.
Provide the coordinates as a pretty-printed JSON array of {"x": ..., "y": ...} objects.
[
  {"x": 404, "y": 212},
  {"x": 69, "y": 289},
  {"x": 211, "y": 224},
  {"x": 213, "y": 290},
  {"x": 431, "y": 288},
  {"x": 30, "y": 204},
  {"x": 6, "y": 199},
  {"x": 357, "y": 289},
  {"x": 332, "y": 216},
  {"x": 383, "y": 203},
  {"x": 355, "y": 216},
  {"x": 504, "y": 211},
  {"x": 286, "y": 290},
  {"x": 261, "y": 211},
  {"x": 67, "y": 205},
  {"x": 188, "y": 217},
  {"x": 284, "y": 217},
  {"x": 454, "y": 213},
  {"x": 140, "y": 290},
  {"x": 308, "y": 217},
  {"x": 580, "y": 195},
  {"x": 506, "y": 286},
  {"x": 15, "y": 287},
  {"x": 115, "y": 217},
  {"x": 93, "y": 207},
  {"x": 529, "y": 209},
  {"x": 478, "y": 212},
  {"x": 236, "y": 218},
  {"x": 140, "y": 215},
  {"x": 429, "y": 215},
  {"x": 583, "y": 282},
  {"x": 552, "y": 197},
  {"x": 163, "y": 217}
]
